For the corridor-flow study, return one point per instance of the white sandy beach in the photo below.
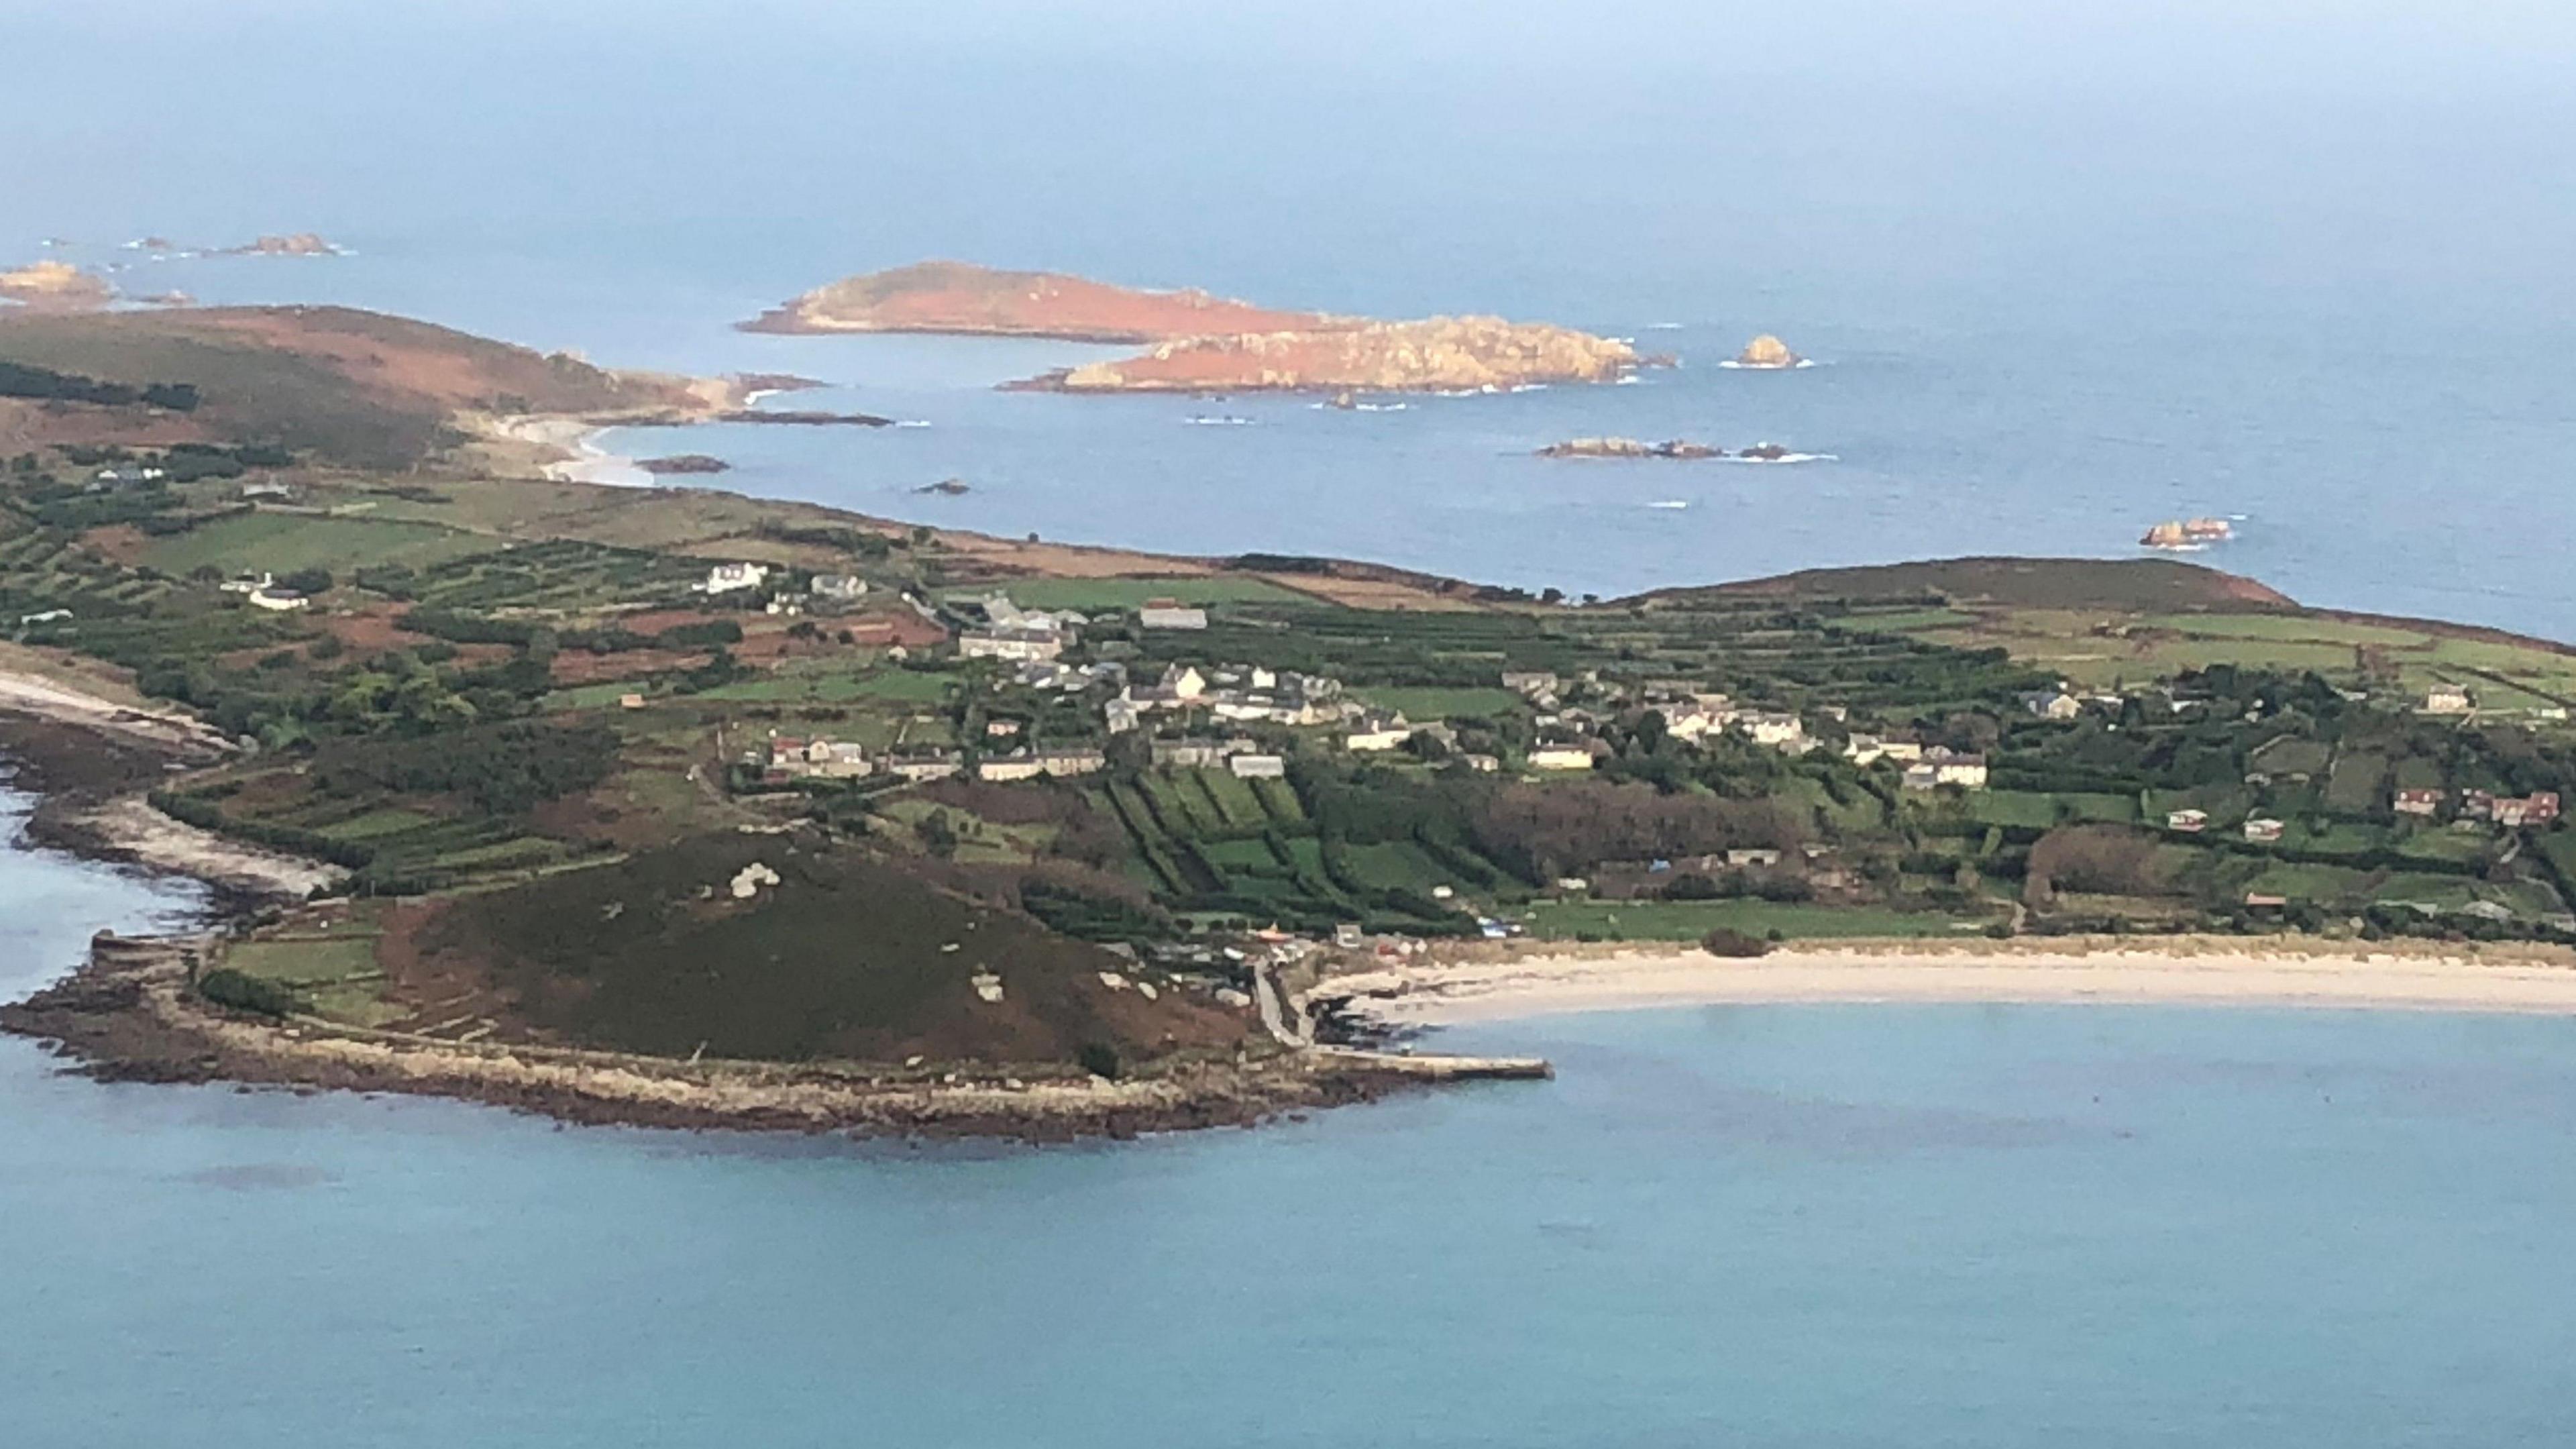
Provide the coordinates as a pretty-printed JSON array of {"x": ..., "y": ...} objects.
[
  {"x": 2208, "y": 971},
  {"x": 572, "y": 446}
]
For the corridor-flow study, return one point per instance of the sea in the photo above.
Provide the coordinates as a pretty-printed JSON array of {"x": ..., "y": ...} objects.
[{"x": 2062, "y": 275}]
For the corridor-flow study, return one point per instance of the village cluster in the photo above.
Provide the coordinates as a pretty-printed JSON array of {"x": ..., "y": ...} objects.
[{"x": 1045, "y": 648}]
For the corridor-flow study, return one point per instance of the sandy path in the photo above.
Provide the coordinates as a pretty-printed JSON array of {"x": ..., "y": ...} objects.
[
  {"x": 29, "y": 693},
  {"x": 130, "y": 827},
  {"x": 2210, "y": 972}
]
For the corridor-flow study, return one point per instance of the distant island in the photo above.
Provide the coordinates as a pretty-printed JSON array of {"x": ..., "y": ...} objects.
[
  {"x": 1204, "y": 343},
  {"x": 1436, "y": 354},
  {"x": 1674, "y": 449},
  {"x": 296, "y": 244},
  {"x": 1628, "y": 448},
  {"x": 1767, "y": 353},
  {"x": 962, "y": 299}
]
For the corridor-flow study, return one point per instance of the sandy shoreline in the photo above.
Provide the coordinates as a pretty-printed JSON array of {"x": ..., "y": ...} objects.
[
  {"x": 87, "y": 753},
  {"x": 2190, "y": 971},
  {"x": 571, "y": 450}
]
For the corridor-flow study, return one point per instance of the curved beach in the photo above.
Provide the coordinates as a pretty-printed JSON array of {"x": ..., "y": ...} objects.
[{"x": 1481, "y": 986}]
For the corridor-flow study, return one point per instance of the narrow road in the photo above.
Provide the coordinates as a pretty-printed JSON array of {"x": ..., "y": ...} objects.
[{"x": 1275, "y": 1011}]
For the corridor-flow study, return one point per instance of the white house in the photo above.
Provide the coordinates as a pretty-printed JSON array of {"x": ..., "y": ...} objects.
[
  {"x": 1946, "y": 767},
  {"x": 1780, "y": 731},
  {"x": 734, "y": 578},
  {"x": 1867, "y": 749},
  {"x": 245, "y": 584},
  {"x": 841, "y": 588},
  {"x": 1257, "y": 767},
  {"x": 1377, "y": 733},
  {"x": 2188, "y": 822},
  {"x": 2446, "y": 699},
  {"x": 829, "y": 759},
  {"x": 1014, "y": 642},
  {"x": 277, "y": 600},
  {"x": 1190, "y": 754},
  {"x": 2263, "y": 830},
  {"x": 1561, "y": 757},
  {"x": 2052, "y": 703},
  {"x": 1170, "y": 614}
]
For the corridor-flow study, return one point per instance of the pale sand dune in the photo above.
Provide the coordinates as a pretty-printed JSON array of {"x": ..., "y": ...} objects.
[{"x": 2191, "y": 971}]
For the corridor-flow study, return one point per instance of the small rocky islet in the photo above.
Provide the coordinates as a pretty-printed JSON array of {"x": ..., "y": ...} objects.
[{"x": 1677, "y": 449}]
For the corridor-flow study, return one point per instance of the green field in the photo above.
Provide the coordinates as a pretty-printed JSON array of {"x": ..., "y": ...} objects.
[
  {"x": 1426, "y": 705},
  {"x": 285, "y": 542},
  {"x": 1104, "y": 594},
  {"x": 1399, "y": 863},
  {"x": 337, "y": 976},
  {"x": 836, "y": 684},
  {"x": 1690, "y": 920},
  {"x": 2042, "y": 810}
]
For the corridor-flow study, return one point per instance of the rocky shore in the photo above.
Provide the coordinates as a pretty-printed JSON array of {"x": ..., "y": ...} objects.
[
  {"x": 1675, "y": 449},
  {"x": 92, "y": 759},
  {"x": 683, "y": 463},
  {"x": 128, "y": 1015},
  {"x": 1629, "y": 448}
]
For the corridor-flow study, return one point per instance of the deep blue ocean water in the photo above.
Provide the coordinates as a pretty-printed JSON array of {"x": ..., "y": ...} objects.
[{"x": 2068, "y": 270}]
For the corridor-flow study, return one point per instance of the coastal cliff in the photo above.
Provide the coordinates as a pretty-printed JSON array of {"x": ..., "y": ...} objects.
[
  {"x": 1437, "y": 354},
  {"x": 964, "y": 299}
]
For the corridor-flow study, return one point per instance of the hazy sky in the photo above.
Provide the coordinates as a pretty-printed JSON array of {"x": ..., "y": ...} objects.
[{"x": 1227, "y": 143}]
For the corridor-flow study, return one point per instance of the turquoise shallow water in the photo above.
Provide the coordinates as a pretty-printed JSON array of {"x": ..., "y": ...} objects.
[{"x": 1828, "y": 1226}]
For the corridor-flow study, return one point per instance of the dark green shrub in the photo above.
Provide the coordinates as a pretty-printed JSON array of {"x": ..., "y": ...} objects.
[
  {"x": 1727, "y": 941},
  {"x": 241, "y": 991}
]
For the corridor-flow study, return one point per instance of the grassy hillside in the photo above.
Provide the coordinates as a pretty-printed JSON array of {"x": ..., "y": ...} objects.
[
  {"x": 350, "y": 387},
  {"x": 842, "y": 959},
  {"x": 2144, "y": 583}
]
